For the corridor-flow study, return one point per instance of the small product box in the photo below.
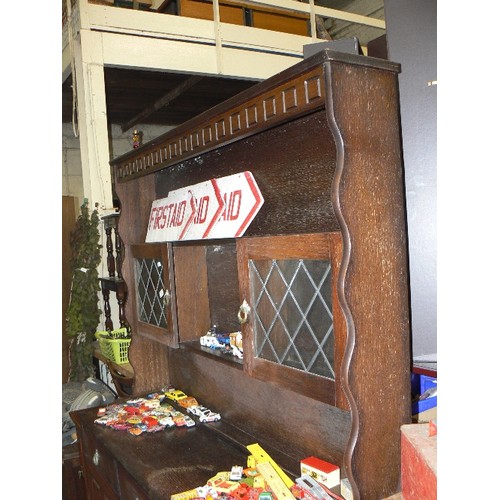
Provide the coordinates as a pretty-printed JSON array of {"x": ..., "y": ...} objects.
[
  {"x": 324, "y": 472},
  {"x": 236, "y": 340}
]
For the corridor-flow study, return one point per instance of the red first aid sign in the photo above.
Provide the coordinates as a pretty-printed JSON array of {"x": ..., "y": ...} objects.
[{"x": 218, "y": 208}]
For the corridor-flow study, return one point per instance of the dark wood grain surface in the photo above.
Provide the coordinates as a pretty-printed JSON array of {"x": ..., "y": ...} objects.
[
  {"x": 293, "y": 165},
  {"x": 166, "y": 462},
  {"x": 292, "y": 423},
  {"x": 148, "y": 358},
  {"x": 328, "y": 160},
  {"x": 368, "y": 197}
]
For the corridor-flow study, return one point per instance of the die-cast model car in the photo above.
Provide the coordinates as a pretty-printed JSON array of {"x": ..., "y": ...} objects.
[
  {"x": 210, "y": 340},
  {"x": 204, "y": 414},
  {"x": 187, "y": 402},
  {"x": 175, "y": 395},
  {"x": 189, "y": 421}
]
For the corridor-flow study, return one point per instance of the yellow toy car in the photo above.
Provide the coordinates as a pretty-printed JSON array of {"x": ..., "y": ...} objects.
[{"x": 175, "y": 395}]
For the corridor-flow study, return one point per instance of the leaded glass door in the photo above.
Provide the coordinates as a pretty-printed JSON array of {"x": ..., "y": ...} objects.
[
  {"x": 295, "y": 330},
  {"x": 155, "y": 292}
]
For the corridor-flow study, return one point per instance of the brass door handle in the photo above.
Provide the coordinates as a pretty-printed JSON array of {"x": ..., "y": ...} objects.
[{"x": 243, "y": 312}]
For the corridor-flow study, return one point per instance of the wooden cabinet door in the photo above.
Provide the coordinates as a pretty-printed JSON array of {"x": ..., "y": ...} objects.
[
  {"x": 129, "y": 489},
  {"x": 99, "y": 468},
  {"x": 154, "y": 292},
  {"x": 294, "y": 331},
  {"x": 99, "y": 490}
]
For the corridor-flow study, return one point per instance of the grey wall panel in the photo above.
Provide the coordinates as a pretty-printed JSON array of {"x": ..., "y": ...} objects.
[{"x": 411, "y": 41}]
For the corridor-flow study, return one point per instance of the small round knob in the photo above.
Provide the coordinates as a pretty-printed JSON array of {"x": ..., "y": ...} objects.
[{"x": 96, "y": 458}]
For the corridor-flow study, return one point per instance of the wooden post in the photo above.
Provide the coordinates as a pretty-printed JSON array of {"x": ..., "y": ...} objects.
[{"x": 92, "y": 119}]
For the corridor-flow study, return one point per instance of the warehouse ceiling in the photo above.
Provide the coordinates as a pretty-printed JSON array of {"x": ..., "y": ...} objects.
[{"x": 162, "y": 98}]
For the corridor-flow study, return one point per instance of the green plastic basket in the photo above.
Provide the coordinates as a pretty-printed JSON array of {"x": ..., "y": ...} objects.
[{"x": 112, "y": 346}]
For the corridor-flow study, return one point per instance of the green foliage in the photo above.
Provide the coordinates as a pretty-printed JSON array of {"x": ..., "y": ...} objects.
[{"x": 83, "y": 313}]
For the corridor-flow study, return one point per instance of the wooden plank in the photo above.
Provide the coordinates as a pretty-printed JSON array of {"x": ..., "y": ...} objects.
[
  {"x": 280, "y": 22},
  {"x": 204, "y": 10},
  {"x": 263, "y": 8},
  {"x": 223, "y": 288},
  {"x": 142, "y": 51},
  {"x": 191, "y": 288}
]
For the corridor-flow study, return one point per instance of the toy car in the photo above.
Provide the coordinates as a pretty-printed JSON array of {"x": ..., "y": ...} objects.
[
  {"x": 209, "y": 416},
  {"x": 195, "y": 410},
  {"x": 167, "y": 421},
  {"x": 189, "y": 421},
  {"x": 187, "y": 402},
  {"x": 210, "y": 341},
  {"x": 204, "y": 414},
  {"x": 178, "y": 418},
  {"x": 236, "y": 473},
  {"x": 175, "y": 395},
  {"x": 223, "y": 338}
]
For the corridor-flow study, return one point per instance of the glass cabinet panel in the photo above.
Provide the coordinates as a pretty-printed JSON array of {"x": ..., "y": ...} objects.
[
  {"x": 293, "y": 330},
  {"x": 292, "y": 301},
  {"x": 151, "y": 291},
  {"x": 155, "y": 292}
]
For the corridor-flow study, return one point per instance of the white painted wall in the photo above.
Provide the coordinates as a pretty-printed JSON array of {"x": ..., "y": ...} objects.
[
  {"x": 121, "y": 143},
  {"x": 412, "y": 42},
  {"x": 72, "y": 183}
]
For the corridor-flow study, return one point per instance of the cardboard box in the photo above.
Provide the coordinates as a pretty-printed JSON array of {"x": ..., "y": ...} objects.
[{"x": 324, "y": 472}]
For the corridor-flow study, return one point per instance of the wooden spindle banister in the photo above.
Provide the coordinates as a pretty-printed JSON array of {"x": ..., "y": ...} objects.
[
  {"x": 114, "y": 281},
  {"x": 119, "y": 248}
]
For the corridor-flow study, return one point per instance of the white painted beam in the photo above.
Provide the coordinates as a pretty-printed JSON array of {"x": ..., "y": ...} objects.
[
  {"x": 92, "y": 119},
  {"x": 189, "y": 57},
  {"x": 174, "y": 43},
  {"x": 295, "y": 6},
  {"x": 66, "y": 62},
  {"x": 170, "y": 27},
  {"x": 99, "y": 15}
]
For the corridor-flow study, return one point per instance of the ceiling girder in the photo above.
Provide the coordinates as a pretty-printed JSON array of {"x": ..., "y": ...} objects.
[{"x": 162, "y": 101}]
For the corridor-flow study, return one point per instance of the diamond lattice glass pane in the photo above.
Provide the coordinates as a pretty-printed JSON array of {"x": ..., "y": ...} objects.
[
  {"x": 294, "y": 360},
  {"x": 321, "y": 364},
  {"x": 268, "y": 352},
  {"x": 278, "y": 338},
  {"x": 293, "y": 321},
  {"x": 262, "y": 267},
  {"x": 302, "y": 289},
  {"x": 150, "y": 291},
  {"x": 320, "y": 320},
  {"x": 274, "y": 285}
]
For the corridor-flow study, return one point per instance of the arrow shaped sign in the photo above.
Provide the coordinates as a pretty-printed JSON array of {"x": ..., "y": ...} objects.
[
  {"x": 218, "y": 208},
  {"x": 208, "y": 207},
  {"x": 169, "y": 217},
  {"x": 242, "y": 200}
]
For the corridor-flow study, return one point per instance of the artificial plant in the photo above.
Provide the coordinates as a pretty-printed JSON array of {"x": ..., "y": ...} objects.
[{"x": 83, "y": 313}]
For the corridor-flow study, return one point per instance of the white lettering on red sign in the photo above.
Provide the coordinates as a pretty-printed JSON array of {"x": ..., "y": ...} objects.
[{"x": 218, "y": 208}]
